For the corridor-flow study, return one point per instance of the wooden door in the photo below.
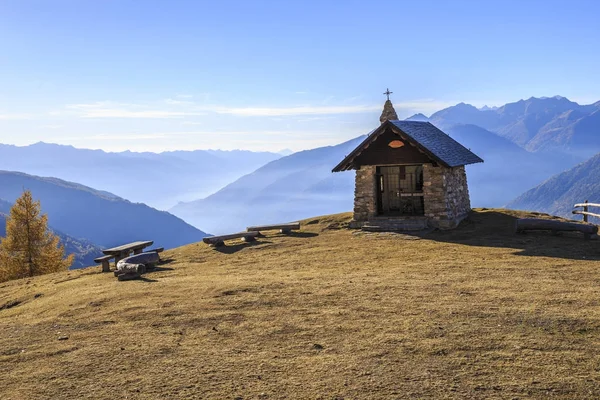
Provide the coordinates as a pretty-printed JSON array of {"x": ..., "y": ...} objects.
[{"x": 399, "y": 190}]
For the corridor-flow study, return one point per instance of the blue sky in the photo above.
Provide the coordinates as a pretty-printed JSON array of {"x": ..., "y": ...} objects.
[{"x": 268, "y": 75}]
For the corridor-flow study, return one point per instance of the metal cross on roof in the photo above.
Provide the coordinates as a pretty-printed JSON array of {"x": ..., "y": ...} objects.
[{"x": 387, "y": 93}]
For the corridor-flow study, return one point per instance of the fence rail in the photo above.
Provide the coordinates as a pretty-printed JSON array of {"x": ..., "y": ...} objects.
[{"x": 585, "y": 211}]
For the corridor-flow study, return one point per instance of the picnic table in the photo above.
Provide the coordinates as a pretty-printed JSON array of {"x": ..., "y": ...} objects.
[
  {"x": 120, "y": 252},
  {"x": 136, "y": 247}
]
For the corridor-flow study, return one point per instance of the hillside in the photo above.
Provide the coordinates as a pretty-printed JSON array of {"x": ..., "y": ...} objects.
[
  {"x": 478, "y": 312},
  {"x": 302, "y": 184},
  {"x": 99, "y": 217},
  {"x": 536, "y": 124},
  {"x": 182, "y": 175},
  {"x": 558, "y": 194}
]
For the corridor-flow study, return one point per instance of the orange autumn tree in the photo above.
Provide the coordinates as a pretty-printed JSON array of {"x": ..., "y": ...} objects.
[{"x": 29, "y": 248}]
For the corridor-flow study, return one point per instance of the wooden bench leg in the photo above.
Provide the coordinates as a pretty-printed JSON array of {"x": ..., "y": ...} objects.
[
  {"x": 220, "y": 243},
  {"x": 138, "y": 251},
  {"x": 249, "y": 239},
  {"x": 105, "y": 266},
  {"x": 121, "y": 256},
  {"x": 285, "y": 231}
]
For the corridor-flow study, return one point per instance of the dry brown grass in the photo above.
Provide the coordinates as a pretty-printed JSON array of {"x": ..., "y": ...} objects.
[{"x": 324, "y": 314}]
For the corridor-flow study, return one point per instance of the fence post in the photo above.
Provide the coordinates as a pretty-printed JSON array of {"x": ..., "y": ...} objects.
[{"x": 585, "y": 209}]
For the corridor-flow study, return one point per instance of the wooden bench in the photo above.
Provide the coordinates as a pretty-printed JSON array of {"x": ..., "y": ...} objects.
[
  {"x": 105, "y": 260},
  {"x": 535, "y": 224},
  {"x": 283, "y": 228},
  {"x": 156, "y": 250},
  {"x": 217, "y": 241}
]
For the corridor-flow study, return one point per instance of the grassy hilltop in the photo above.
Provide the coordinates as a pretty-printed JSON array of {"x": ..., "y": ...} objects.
[{"x": 326, "y": 313}]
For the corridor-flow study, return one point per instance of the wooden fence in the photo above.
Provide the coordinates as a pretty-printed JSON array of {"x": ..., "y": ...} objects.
[{"x": 586, "y": 205}]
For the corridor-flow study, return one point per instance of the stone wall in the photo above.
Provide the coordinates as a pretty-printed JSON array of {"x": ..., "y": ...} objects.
[
  {"x": 365, "y": 194},
  {"x": 445, "y": 195},
  {"x": 457, "y": 195}
]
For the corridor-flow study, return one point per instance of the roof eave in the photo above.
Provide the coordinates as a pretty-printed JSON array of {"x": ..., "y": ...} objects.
[{"x": 345, "y": 164}]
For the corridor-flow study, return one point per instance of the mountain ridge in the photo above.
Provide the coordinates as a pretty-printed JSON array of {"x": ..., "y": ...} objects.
[
  {"x": 183, "y": 175},
  {"x": 536, "y": 124},
  {"x": 559, "y": 193},
  {"x": 106, "y": 220}
]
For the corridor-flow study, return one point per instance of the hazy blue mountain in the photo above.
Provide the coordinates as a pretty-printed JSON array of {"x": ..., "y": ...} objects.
[
  {"x": 285, "y": 152},
  {"x": 418, "y": 117},
  {"x": 536, "y": 124},
  {"x": 465, "y": 114},
  {"x": 83, "y": 250},
  {"x": 105, "y": 219},
  {"x": 293, "y": 187},
  {"x": 4, "y": 209},
  {"x": 507, "y": 169},
  {"x": 160, "y": 180},
  {"x": 522, "y": 121},
  {"x": 558, "y": 194},
  {"x": 581, "y": 130}
]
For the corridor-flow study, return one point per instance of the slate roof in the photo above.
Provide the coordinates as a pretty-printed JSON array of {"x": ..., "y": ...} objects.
[{"x": 438, "y": 145}]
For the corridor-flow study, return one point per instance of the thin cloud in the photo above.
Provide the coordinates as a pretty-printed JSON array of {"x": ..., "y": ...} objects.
[
  {"x": 353, "y": 98},
  {"x": 178, "y": 102},
  {"x": 287, "y": 111},
  {"x": 120, "y": 110},
  {"x": 194, "y": 134},
  {"x": 51, "y": 126},
  {"x": 149, "y": 114},
  {"x": 191, "y": 123},
  {"x": 424, "y": 106},
  {"x": 310, "y": 119},
  {"x": 101, "y": 104},
  {"x": 6, "y": 117},
  {"x": 184, "y": 108}
]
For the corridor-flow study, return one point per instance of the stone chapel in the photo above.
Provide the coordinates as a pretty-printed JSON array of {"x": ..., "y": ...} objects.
[{"x": 409, "y": 176}]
